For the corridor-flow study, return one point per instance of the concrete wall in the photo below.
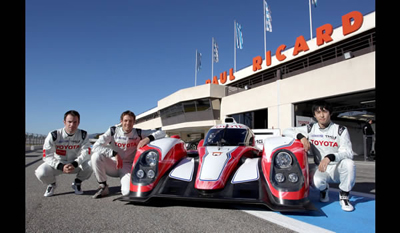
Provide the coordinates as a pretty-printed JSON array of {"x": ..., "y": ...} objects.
[
  {"x": 352, "y": 75},
  {"x": 150, "y": 124},
  {"x": 197, "y": 92},
  {"x": 191, "y": 93}
]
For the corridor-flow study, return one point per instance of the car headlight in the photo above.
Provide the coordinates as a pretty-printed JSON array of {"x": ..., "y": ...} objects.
[
  {"x": 151, "y": 174},
  {"x": 146, "y": 169},
  {"x": 283, "y": 160},
  {"x": 140, "y": 173},
  {"x": 293, "y": 177},
  {"x": 279, "y": 177},
  {"x": 151, "y": 158}
]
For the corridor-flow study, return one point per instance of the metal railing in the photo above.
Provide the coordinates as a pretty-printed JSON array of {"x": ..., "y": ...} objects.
[
  {"x": 358, "y": 45},
  {"x": 32, "y": 139}
]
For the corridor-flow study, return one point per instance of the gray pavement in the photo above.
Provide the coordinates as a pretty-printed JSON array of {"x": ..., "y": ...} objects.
[
  {"x": 365, "y": 175},
  {"x": 67, "y": 212}
]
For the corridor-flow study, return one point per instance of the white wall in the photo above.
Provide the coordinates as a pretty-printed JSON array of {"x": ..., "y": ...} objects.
[
  {"x": 337, "y": 36},
  {"x": 191, "y": 93},
  {"x": 150, "y": 124},
  {"x": 353, "y": 75}
]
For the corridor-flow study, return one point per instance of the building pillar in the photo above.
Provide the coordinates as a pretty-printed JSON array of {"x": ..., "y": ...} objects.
[{"x": 282, "y": 119}]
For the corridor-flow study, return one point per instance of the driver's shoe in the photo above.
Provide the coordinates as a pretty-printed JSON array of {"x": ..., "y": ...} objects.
[{"x": 344, "y": 201}]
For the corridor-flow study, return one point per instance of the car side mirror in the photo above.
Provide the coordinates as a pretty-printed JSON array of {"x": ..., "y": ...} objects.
[
  {"x": 251, "y": 141},
  {"x": 200, "y": 143}
]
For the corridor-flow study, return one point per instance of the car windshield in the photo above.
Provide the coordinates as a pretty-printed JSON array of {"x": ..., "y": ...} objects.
[{"x": 226, "y": 137}]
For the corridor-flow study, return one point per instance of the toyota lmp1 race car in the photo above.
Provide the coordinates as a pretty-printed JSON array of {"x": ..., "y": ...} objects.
[{"x": 228, "y": 167}]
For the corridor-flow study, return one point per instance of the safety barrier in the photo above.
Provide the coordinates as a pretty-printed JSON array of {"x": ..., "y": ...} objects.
[
  {"x": 34, "y": 141},
  {"x": 33, "y": 148}
]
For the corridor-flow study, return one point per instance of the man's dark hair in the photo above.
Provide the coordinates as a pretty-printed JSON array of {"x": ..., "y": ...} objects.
[
  {"x": 72, "y": 113},
  {"x": 321, "y": 104},
  {"x": 127, "y": 112}
]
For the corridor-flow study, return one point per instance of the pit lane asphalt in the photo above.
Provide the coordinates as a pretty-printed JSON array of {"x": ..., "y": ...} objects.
[{"x": 67, "y": 212}]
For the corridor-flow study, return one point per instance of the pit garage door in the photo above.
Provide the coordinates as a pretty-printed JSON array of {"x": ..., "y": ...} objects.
[{"x": 350, "y": 110}]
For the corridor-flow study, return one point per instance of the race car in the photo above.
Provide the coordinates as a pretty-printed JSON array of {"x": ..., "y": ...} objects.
[{"x": 228, "y": 166}]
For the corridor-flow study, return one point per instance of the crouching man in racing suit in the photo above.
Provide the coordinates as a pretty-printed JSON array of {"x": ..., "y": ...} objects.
[
  {"x": 65, "y": 150},
  {"x": 114, "y": 152},
  {"x": 332, "y": 150}
]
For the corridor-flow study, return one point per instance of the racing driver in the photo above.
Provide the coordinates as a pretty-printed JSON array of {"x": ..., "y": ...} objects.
[
  {"x": 330, "y": 145},
  {"x": 65, "y": 151},
  {"x": 114, "y": 151}
]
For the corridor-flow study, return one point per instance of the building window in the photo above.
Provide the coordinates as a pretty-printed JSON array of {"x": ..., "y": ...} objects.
[
  {"x": 203, "y": 104},
  {"x": 171, "y": 111},
  {"x": 245, "y": 118},
  {"x": 151, "y": 116},
  {"x": 255, "y": 119},
  {"x": 193, "y": 110},
  {"x": 189, "y": 106}
]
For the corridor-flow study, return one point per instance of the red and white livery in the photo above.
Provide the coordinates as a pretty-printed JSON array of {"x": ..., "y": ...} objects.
[{"x": 232, "y": 164}]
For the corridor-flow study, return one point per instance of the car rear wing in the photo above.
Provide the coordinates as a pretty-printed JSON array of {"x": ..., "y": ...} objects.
[{"x": 262, "y": 134}]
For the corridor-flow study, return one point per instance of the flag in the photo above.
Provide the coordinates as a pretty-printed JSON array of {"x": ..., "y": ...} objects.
[
  {"x": 215, "y": 52},
  {"x": 239, "y": 36},
  {"x": 268, "y": 18},
  {"x": 314, "y": 2},
  {"x": 198, "y": 61}
]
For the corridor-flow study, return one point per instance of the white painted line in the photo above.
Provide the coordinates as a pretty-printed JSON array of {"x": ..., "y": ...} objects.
[
  {"x": 286, "y": 222},
  {"x": 294, "y": 224}
]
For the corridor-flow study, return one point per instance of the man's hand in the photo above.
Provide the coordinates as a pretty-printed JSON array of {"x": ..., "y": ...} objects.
[
  {"x": 306, "y": 143},
  {"x": 119, "y": 161},
  {"x": 143, "y": 142},
  {"x": 68, "y": 168},
  {"x": 324, "y": 164}
]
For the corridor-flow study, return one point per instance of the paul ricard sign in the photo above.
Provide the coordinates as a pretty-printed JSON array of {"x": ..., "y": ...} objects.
[{"x": 351, "y": 22}]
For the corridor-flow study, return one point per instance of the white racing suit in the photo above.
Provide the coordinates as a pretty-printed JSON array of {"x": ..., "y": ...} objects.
[
  {"x": 332, "y": 142},
  {"x": 59, "y": 149},
  {"x": 116, "y": 141}
]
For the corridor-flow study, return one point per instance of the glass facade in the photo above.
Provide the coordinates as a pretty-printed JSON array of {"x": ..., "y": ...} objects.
[
  {"x": 255, "y": 119},
  {"x": 228, "y": 137},
  {"x": 193, "y": 110}
]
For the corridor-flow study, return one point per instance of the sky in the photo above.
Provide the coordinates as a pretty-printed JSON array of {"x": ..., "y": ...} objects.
[{"x": 102, "y": 57}]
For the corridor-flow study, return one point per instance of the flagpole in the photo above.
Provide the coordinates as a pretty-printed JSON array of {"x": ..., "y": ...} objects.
[
  {"x": 212, "y": 58},
  {"x": 234, "y": 44},
  {"x": 195, "y": 71},
  {"x": 309, "y": 7},
  {"x": 265, "y": 32}
]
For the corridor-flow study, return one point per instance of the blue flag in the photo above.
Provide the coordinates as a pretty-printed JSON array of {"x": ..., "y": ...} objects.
[
  {"x": 198, "y": 59},
  {"x": 314, "y": 2},
  {"x": 268, "y": 18},
  {"x": 239, "y": 36},
  {"x": 215, "y": 52}
]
